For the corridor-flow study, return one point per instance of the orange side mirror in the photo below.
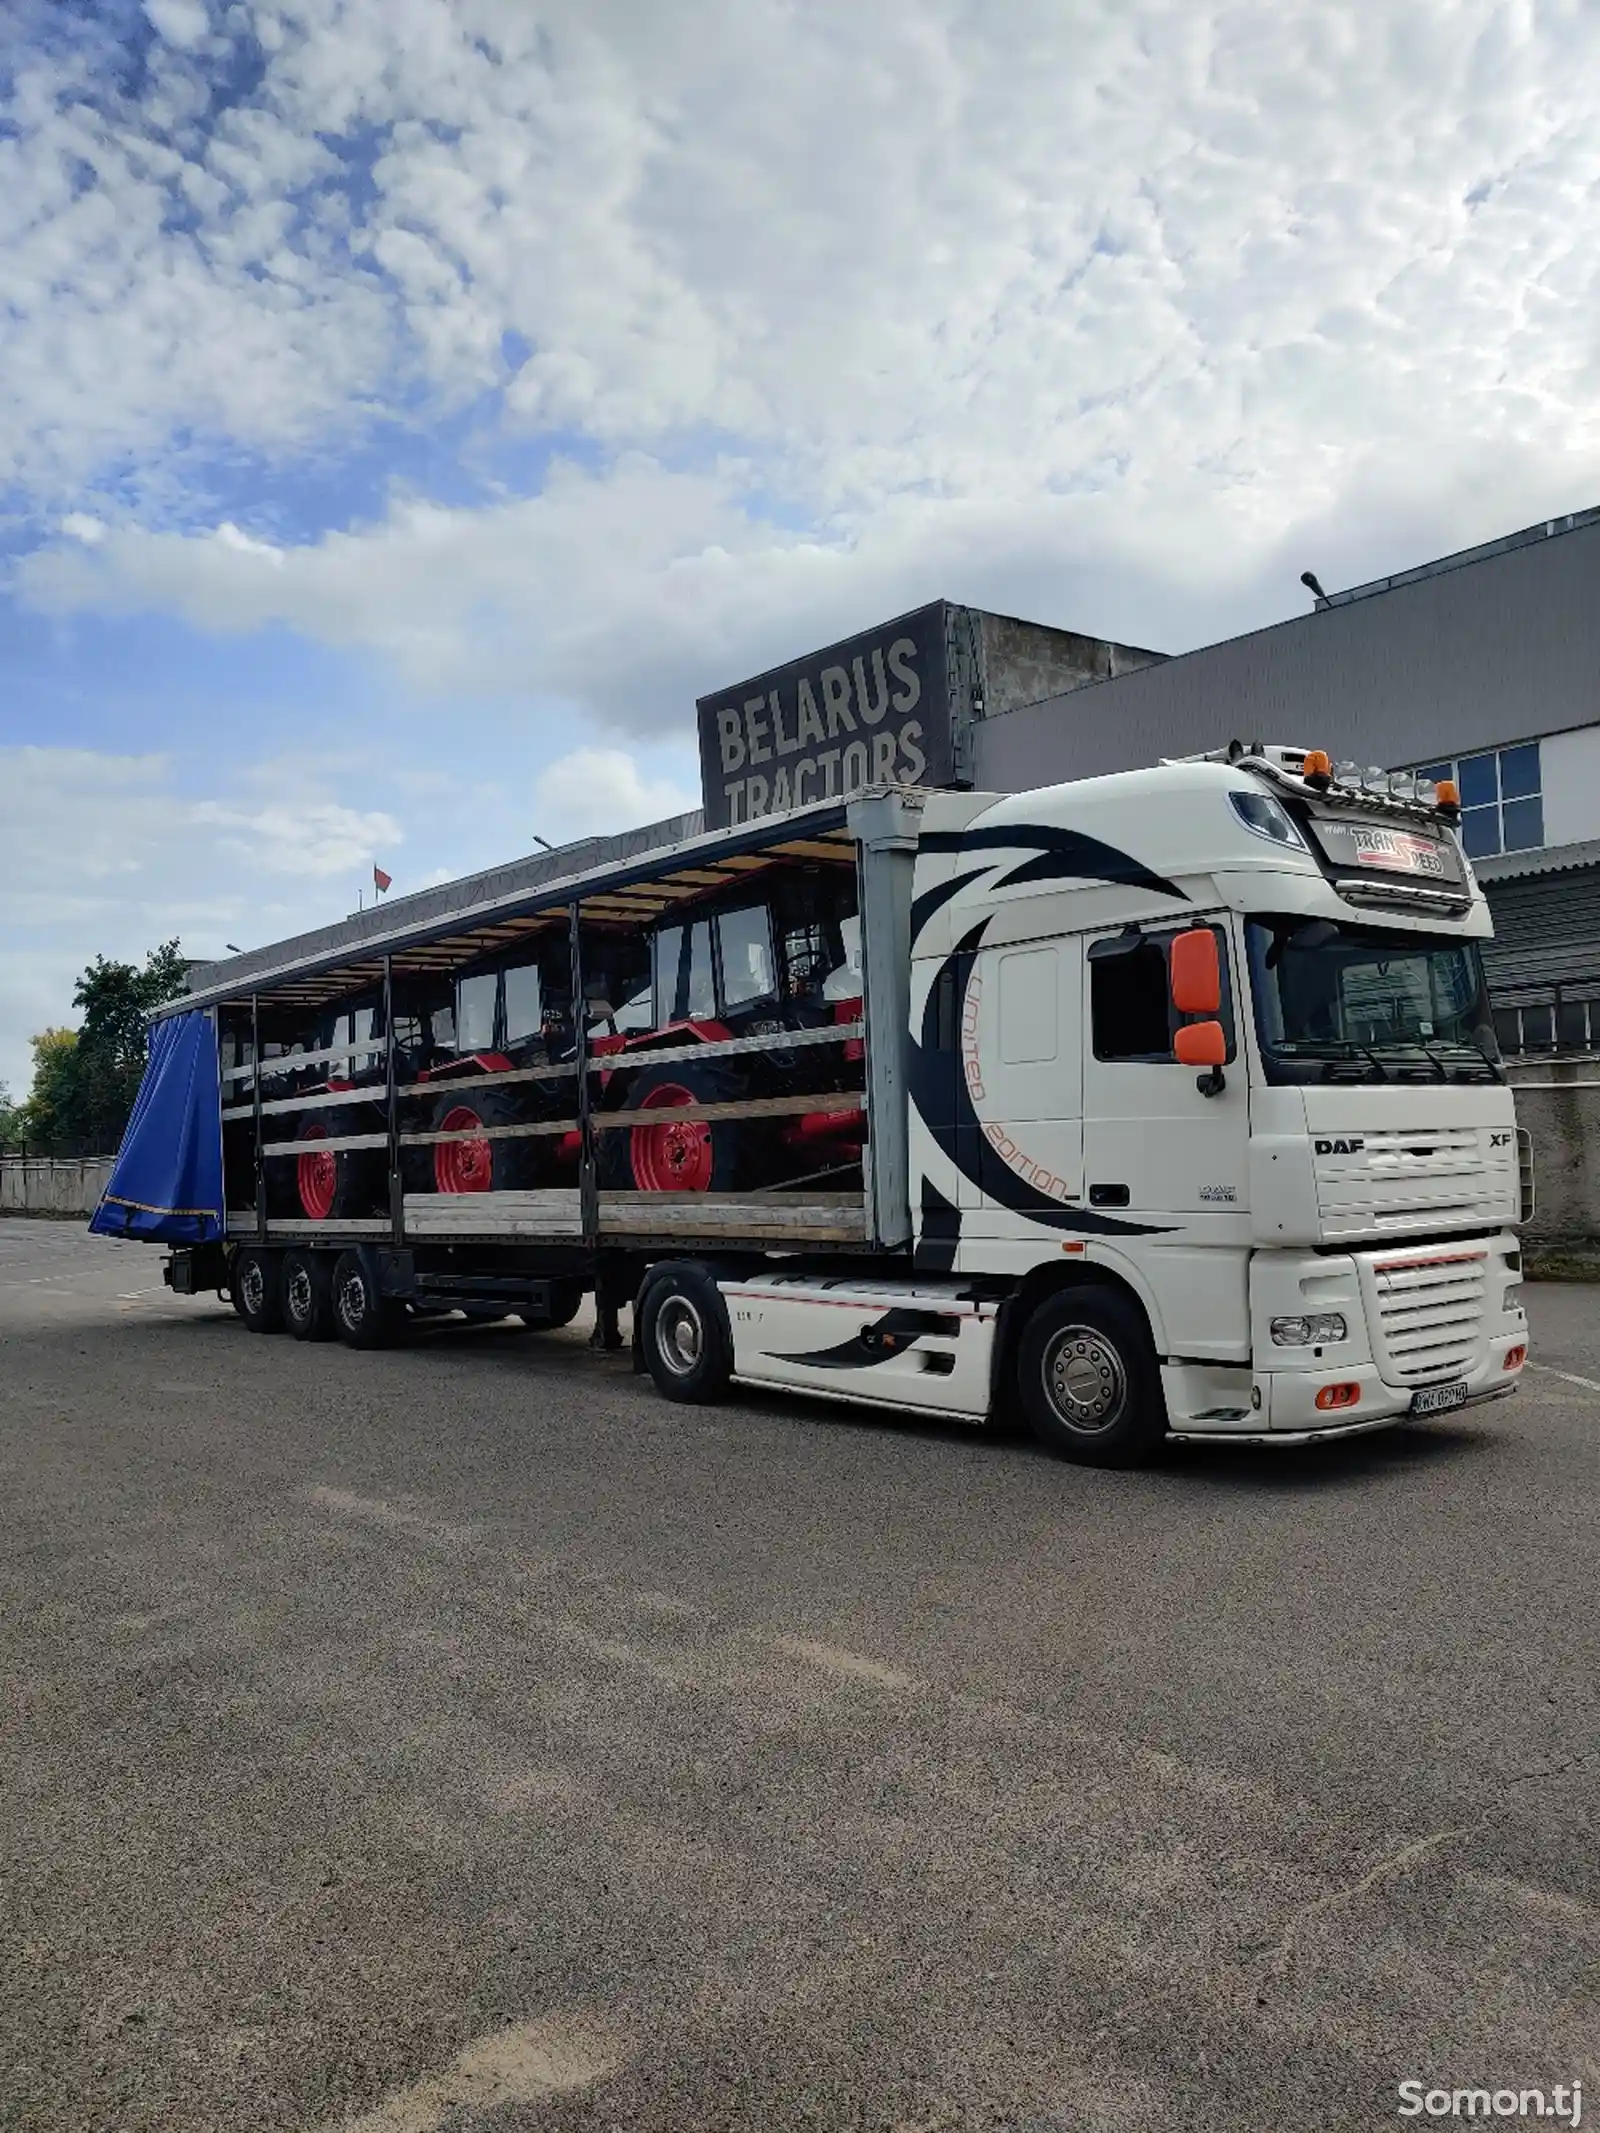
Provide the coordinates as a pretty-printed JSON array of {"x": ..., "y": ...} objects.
[
  {"x": 1200, "y": 1044},
  {"x": 1196, "y": 972}
]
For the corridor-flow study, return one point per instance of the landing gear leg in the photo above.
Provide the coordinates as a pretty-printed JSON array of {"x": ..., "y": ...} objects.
[{"x": 611, "y": 1291}]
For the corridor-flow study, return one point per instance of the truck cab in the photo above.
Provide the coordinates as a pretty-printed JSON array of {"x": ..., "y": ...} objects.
[{"x": 1316, "y": 1226}]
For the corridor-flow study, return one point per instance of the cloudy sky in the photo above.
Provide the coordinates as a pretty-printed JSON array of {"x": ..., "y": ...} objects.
[{"x": 408, "y": 406}]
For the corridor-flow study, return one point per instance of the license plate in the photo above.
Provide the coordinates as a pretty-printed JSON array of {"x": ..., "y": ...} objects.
[{"x": 1434, "y": 1399}]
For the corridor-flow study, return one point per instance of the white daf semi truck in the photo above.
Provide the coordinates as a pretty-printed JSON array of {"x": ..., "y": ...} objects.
[{"x": 1158, "y": 1105}]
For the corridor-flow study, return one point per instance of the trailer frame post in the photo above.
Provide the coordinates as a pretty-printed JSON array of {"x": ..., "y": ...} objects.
[
  {"x": 391, "y": 1111},
  {"x": 255, "y": 1088},
  {"x": 588, "y": 1181}
]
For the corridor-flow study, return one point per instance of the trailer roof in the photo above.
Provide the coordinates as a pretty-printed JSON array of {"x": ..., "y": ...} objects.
[{"x": 632, "y": 879}]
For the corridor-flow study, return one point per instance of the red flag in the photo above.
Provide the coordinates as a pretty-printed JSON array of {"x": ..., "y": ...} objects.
[{"x": 381, "y": 880}]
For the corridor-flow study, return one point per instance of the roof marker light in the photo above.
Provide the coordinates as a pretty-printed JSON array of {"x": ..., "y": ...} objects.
[
  {"x": 1447, "y": 795},
  {"x": 1317, "y": 769}
]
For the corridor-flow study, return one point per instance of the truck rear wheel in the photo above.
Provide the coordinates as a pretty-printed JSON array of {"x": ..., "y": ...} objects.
[
  {"x": 308, "y": 1295},
  {"x": 363, "y": 1317},
  {"x": 254, "y": 1286},
  {"x": 684, "y": 1335},
  {"x": 1089, "y": 1379}
]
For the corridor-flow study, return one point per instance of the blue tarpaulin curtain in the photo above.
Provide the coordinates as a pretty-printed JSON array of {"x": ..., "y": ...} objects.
[{"x": 166, "y": 1184}]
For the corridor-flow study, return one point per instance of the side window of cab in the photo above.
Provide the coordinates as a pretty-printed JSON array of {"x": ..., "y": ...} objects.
[{"x": 1131, "y": 1014}]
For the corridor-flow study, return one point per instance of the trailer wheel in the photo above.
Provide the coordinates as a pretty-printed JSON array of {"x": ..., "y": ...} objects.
[
  {"x": 684, "y": 1335},
  {"x": 257, "y": 1294},
  {"x": 308, "y": 1295},
  {"x": 678, "y": 1155},
  {"x": 1089, "y": 1379},
  {"x": 363, "y": 1317},
  {"x": 480, "y": 1165}
]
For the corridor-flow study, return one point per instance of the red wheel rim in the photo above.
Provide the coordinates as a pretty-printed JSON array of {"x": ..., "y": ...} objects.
[
  {"x": 462, "y": 1166},
  {"x": 316, "y": 1176},
  {"x": 675, "y": 1156}
]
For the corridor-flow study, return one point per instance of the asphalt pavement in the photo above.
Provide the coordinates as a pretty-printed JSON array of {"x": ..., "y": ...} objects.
[{"x": 463, "y": 1737}]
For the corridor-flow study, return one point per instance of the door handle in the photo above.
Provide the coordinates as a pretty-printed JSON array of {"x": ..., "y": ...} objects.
[{"x": 1108, "y": 1196}]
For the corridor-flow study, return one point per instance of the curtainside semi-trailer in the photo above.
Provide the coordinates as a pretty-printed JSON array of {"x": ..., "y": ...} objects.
[{"x": 1157, "y": 1105}]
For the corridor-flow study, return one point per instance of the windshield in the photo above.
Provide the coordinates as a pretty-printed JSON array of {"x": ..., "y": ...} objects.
[{"x": 1337, "y": 1002}]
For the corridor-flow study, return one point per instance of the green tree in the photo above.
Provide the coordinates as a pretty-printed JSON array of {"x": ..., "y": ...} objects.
[
  {"x": 47, "y": 1120},
  {"x": 10, "y": 1119},
  {"x": 85, "y": 1080},
  {"x": 113, "y": 1043}
]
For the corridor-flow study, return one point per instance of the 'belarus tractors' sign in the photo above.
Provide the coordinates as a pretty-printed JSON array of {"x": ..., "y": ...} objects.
[{"x": 874, "y": 710}]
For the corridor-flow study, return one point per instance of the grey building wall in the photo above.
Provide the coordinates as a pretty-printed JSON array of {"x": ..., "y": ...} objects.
[{"x": 1474, "y": 654}]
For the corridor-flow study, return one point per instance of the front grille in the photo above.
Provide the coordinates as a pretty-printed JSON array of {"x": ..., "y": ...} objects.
[{"x": 1430, "y": 1314}]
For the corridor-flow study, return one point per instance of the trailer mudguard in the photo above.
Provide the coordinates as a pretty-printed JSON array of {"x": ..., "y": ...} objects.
[{"x": 166, "y": 1184}]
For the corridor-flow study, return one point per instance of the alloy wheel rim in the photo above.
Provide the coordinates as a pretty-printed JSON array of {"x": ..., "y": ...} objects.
[
  {"x": 1084, "y": 1380},
  {"x": 680, "y": 1335}
]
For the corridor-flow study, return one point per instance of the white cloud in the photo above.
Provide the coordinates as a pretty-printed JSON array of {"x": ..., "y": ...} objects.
[
  {"x": 597, "y": 790},
  {"x": 1113, "y": 314},
  {"x": 106, "y": 854},
  {"x": 181, "y": 22}
]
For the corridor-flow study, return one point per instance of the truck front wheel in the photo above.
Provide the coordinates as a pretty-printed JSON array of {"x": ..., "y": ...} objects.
[
  {"x": 1089, "y": 1379},
  {"x": 683, "y": 1334}
]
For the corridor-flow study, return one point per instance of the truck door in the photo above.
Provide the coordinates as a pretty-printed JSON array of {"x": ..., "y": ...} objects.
[
  {"x": 1022, "y": 1061},
  {"x": 1154, "y": 1145}
]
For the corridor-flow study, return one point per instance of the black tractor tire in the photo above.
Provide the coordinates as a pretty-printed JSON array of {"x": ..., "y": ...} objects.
[
  {"x": 684, "y": 1335},
  {"x": 508, "y": 1166},
  {"x": 1089, "y": 1381},
  {"x": 352, "y": 1187},
  {"x": 363, "y": 1317},
  {"x": 257, "y": 1293},
  {"x": 709, "y": 1155},
  {"x": 308, "y": 1295}
]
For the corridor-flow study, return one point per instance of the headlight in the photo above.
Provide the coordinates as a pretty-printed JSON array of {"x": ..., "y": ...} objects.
[
  {"x": 1512, "y": 1299},
  {"x": 1318, "y": 1331}
]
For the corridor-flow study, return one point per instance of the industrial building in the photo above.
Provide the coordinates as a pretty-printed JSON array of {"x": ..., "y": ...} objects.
[{"x": 1483, "y": 666}]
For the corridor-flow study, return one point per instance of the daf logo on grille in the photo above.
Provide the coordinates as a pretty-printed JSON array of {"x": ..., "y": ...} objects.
[{"x": 1340, "y": 1147}]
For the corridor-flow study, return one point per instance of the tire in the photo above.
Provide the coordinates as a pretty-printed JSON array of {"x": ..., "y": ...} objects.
[
  {"x": 307, "y": 1293},
  {"x": 1089, "y": 1380},
  {"x": 480, "y": 1166},
  {"x": 256, "y": 1290},
  {"x": 684, "y": 1335},
  {"x": 340, "y": 1185},
  {"x": 700, "y": 1155},
  {"x": 362, "y": 1316},
  {"x": 566, "y": 1301}
]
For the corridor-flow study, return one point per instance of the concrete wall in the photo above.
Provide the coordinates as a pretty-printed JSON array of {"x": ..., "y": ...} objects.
[
  {"x": 1558, "y": 1101},
  {"x": 1025, "y": 662},
  {"x": 44, "y": 1185}
]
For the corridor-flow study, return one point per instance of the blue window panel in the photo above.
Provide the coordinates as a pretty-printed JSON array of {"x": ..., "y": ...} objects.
[
  {"x": 1478, "y": 785},
  {"x": 1524, "y": 825},
  {"x": 1480, "y": 832},
  {"x": 1437, "y": 771},
  {"x": 1519, "y": 772}
]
